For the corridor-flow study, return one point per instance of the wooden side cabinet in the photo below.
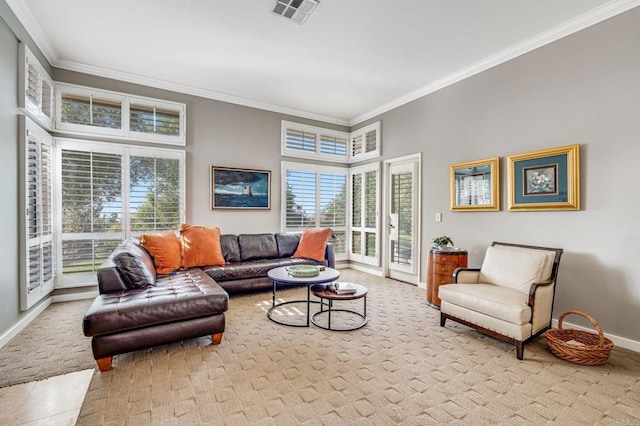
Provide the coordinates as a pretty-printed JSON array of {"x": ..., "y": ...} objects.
[{"x": 440, "y": 269}]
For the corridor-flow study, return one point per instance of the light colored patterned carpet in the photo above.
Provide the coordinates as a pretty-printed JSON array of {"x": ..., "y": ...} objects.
[
  {"x": 51, "y": 345},
  {"x": 401, "y": 368}
]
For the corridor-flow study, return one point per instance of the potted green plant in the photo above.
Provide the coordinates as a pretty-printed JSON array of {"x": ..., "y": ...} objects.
[{"x": 442, "y": 242}]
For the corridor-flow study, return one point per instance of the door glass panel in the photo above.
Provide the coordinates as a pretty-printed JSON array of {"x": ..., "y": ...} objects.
[{"x": 402, "y": 208}]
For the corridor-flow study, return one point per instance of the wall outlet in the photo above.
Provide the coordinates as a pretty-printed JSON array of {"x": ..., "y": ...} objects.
[{"x": 438, "y": 217}]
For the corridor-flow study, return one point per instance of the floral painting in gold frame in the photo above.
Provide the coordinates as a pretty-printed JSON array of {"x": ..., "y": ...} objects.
[
  {"x": 545, "y": 180},
  {"x": 475, "y": 185}
]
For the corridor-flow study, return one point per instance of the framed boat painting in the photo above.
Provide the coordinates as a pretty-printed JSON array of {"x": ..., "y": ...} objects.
[
  {"x": 234, "y": 188},
  {"x": 545, "y": 180}
]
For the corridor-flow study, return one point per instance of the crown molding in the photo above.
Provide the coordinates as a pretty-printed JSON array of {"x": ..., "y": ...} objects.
[{"x": 587, "y": 19}]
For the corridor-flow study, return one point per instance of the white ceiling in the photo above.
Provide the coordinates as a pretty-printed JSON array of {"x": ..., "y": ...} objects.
[{"x": 352, "y": 59}]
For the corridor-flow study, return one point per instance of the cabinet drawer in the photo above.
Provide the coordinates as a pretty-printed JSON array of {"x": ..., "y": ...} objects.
[
  {"x": 447, "y": 260},
  {"x": 442, "y": 279},
  {"x": 444, "y": 269}
]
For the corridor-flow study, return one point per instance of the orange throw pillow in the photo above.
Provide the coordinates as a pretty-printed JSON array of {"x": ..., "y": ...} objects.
[
  {"x": 165, "y": 250},
  {"x": 313, "y": 243},
  {"x": 200, "y": 246}
]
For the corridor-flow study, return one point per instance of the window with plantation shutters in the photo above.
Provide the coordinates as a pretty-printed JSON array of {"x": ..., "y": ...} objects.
[
  {"x": 333, "y": 145},
  {"x": 155, "y": 200},
  {"x": 109, "y": 193},
  {"x": 333, "y": 206},
  {"x": 91, "y": 209},
  {"x": 300, "y": 140},
  {"x": 316, "y": 196},
  {"x": 37, "y": 254},
  {"x": 37, "y": 87},
  {"x": 156, "y": 121},
  {"x": 85, "y": 110},
  {"x": 91, "y": 111},
  {"x": 364, "y": 218},
  {"x": 365, "y": 142},
  {"x": 300, "y": 208}
]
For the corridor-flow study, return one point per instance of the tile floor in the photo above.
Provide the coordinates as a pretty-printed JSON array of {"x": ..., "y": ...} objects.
[{"x": 54, "y": 401}]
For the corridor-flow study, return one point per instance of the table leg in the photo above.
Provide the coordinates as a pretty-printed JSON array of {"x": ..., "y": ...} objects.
[
  {"x": 308, "y": 304},
  {"x": 273, "y": 295}
]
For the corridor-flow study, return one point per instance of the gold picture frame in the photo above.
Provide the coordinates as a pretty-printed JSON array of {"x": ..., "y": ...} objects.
[
  {"x": 548, "y": 179},
  {"x": 475, "y": 185}
]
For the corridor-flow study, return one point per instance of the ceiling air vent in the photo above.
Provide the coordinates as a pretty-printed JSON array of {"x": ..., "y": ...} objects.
[{"x": 295, "y": 10}]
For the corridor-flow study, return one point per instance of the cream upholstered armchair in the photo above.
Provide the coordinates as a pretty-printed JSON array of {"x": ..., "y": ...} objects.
[{"x": 510, "y": 297}]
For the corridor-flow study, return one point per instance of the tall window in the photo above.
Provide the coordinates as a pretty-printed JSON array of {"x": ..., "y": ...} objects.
[
  {"x": 316, "y": 196},
  {"x": 37, "y": 254},
  {"x": 111, "y": 192},
  {"x": 365, "y": 196}
]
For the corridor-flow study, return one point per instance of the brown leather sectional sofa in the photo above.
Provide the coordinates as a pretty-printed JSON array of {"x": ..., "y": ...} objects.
[{"x": 137, "y": 309}]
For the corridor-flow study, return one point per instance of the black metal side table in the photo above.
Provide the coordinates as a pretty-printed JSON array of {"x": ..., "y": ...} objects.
[
  {"x": 280, "y": 276},
  {"x": 321, "y": 291}
]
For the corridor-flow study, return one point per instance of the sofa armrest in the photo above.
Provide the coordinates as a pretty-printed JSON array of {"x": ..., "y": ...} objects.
[
  {"x": 466, "y": 275},
  {"x": 534, "y": 288},
  {"x": 109, "y": 278},
  {"x": 330, "y": 256}
]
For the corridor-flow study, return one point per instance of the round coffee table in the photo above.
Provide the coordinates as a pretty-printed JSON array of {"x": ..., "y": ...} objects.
[
  {"x": 280, "y": 276},
  {"x": 321, "y": 291}
]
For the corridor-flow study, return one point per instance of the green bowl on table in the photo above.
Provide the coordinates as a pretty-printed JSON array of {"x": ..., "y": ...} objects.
[{"x": 303, "y": 271}]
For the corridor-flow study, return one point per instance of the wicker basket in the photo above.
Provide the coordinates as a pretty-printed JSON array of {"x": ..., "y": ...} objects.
[{"x": 577, "y": 346}]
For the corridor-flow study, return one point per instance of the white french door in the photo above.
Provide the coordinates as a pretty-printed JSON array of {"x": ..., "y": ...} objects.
[{"x": 403, "y": 218}]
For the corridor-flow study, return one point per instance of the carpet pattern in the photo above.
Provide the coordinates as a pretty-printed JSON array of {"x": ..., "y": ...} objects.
[
  {"x": 51, "y": 345},
  {"x": 401, "y": 368}
]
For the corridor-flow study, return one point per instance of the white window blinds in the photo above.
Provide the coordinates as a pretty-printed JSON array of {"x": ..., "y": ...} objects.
[
  {"x": 333, "y": 145},
  {"x": 154, "y": 120},
  {"x": 36, "y": 87},
  {"x": 300, "y": 208},
  {"x": 92, "y": 215},
  {"x": 316, "y": 196},
  {"x": 365, "y": 198},
  {"x": 85, "y": 110},
  {"x": 365, "y": 142},
  {"x": 300, "y": 140},
  {"x": 90, "y": 110},
  {"x": 154, "y": 194},
  {"x": 111, "y": 192},
  {"x": 37, "y": 257}
]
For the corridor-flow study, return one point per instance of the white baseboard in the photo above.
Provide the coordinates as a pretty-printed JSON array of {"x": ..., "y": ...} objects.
[
  {"x": 24, "y": 321},
  {"x": 75, "y": 296},
  {"x": 622, "y": 342},
  {"x": 367, "y": 269}
]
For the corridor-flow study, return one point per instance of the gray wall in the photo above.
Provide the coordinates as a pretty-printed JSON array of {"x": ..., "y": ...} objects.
[
  {"x": 9, "y": 293},
  {"x": 582, "y": 89}
]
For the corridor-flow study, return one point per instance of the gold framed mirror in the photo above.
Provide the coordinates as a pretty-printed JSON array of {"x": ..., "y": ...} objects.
[{"x": 475, "y": 185}]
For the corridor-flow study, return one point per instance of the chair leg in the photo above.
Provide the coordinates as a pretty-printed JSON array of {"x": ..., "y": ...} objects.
[
  {"x": 443, "y": 319},
  {"x": 104, "y": 364},
  {"x": 216, "y": 338},
  {"x": 520, "y": 350}
]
